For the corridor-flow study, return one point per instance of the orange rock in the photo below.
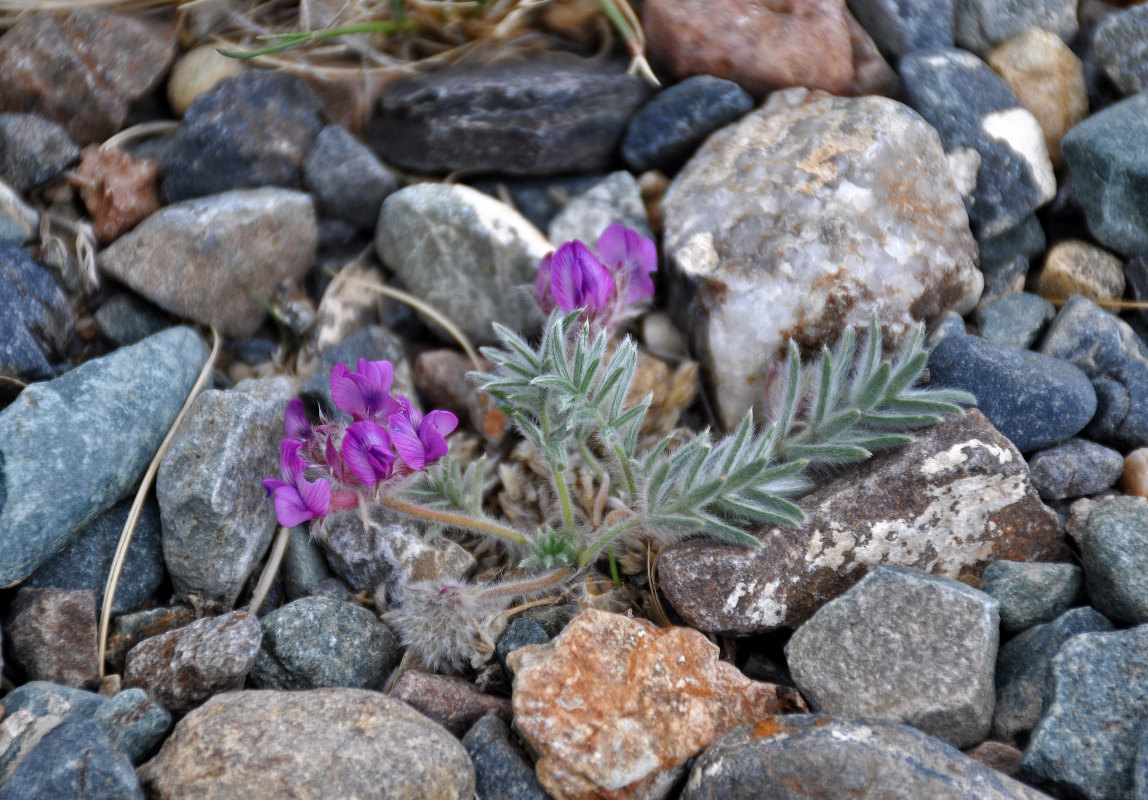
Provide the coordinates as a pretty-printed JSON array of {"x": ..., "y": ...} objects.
[
  {"x": 1136, "y": 472},
  {"x": 118, "y": 190},
  {"x": 615, "y": 706}
]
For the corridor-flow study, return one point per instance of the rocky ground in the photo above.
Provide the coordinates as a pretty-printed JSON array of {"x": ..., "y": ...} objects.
[{"x": 962, "y": 617}]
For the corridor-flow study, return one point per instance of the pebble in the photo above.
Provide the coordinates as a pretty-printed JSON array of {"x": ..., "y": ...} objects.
[
  {"x": 438, "y": 238},
  {"x": 33, "y": 150},
  {"x": 52, "y": 634},
  {"x": 531, "y": 117},
  {"x": 615, "y": 707},
  {"x": 217, "y": 520},
  {"x": 297, "y": 744},
  {"x": 973, "y": 108},
  {"x": 36, "y": 322},
  {"x": 1136, "y": 473},
  {"x": 182, "y": 668},
  {"x": 19, "y": 222},
  {"x": 303, "y": 564},
  {"x": 899, "y": 28},
  {"x": 810, "y": 756},
  {"x": 128, "y": 630},
  {"x": 1035, "y": 400},
  {"x": 118, "y": 190},
  {"x": 745, "y": 234},
  {"x": 134, "y": 723},
  {"x": 1025, "y": 239},
  {"x": 1022, "y": 671},
  {"x": 102, "y": 458},
  {"x": 372, "y": 342},
  {"x": 441, "y": 376},
  {"x": 616, "y": 198},
  {"x": 999, "y": 756},
  {"x": 519, "y": 633},
  {"x": 1094, "y": 716},
  {"x": 83, "y": 69},
  {"x": 981, "y": 24},
  {"x": 1015, "y": 320},
  {"x": 1076, "y": 267},
  {"x": 1120, "y": 43},
  {"x": 33, "y": 709},
  {"x": 953, "y": 501},
  {"x": 757, "y": 46},
  {"x": 1074, "y": 468},
  {"x": 1031, "y": 593},
  {"x": 1114, "y": 554},
  {"x": 196, "y": 71},
  {"x": 667, "y": 130},
  {"x": 348, "y": 181},
  {"x": 501, "y": 769},
  {"x": 452, "y": 702},
  {"x": 188, "y": 258},
  {"x": 126, "y": 318},
  {"x": 75, "y": 760},
  {"x": 316, "y": 641}
]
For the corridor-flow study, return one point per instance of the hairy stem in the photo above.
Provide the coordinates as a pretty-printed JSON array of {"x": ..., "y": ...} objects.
[
  {"x": 454, "y": 520},
  {"x": 608, "y": 536},
  {"x": 528, "y": 586},
  {"x": 564, "y": 500}
]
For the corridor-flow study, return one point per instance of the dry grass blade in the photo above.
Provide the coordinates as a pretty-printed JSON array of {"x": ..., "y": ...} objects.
[
  {"x": 270, "y": 569},
  {"x": 142, "y": 131},
  {"x": 137, "y": 505},
  {"x": 1113, "y": 305}
]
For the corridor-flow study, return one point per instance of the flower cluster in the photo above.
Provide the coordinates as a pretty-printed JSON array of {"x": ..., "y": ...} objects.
[{"x": 386, "y": 440}]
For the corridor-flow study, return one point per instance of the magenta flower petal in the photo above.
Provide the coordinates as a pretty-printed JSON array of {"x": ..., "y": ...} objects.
[
  {"x": 432, "y": 432},
  {"x": 367, "y": 451},
  {"x": 296, "y": 498},
  {"x": 578, "y": 279},
  {"x": 442, "y": 421},
  {"x": 542, "y": 285},
  {"x": 405, "y": 437},
  {"x": 380, "y": 373},
  {"x": 344, "y": 392},
  {"x": 364, "y": 395},
  {"x": 295, "y": 420},
  {"x": 631, "y": 258},
  {"x": 291, "y": 464}
]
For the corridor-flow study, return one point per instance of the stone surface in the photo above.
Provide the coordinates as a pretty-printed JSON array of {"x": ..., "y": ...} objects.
[
  {"x": 1004, "y": 278},
  {"x": 182, "y": 668},
  {"x": 519, "y": 633},
  {"x": 134, "y": 723},
  {"x": 1074, "y": 468},
  {"x": 304, "y": 566},
  {"x": 118, "y": 190},
  {"x": 973, "y": 109},
  {"x": 1026, "y": 239},
  {"x": 795, "y": 221},
  {"x": 1035, "y": 400},
  {"x": 616, "y": 198},
  {"x": 55, "y": 478},
  {"x": 534, "y": 116},
  {"x": 74, "y": 760},
  {"x": 1015, "y": 320},
  {"x": 372, "y": 342},
  {"x": 997, "y": 755},
  {"x": 19, "y": 222},
  {"x": 899, "y": 28},
  {"x": 808, "y": 757},
  {"x": 1076, "y": 267},
  {"x": 452, "y": 702},
  {"x": 210, "y": 259},
  {"x": 217, "y": 520},
  {"x": 36, "y": 322},
  {"x": 316, "y": 641},
  {"x": 871, "y": 72},
  {"x": 501, "y": 769},
  {"x": 83, "y": 69},
  {"x": 347, "y": 180},
  {"x": 196, "y": 71},
  {"x": 955, "y": 500},
  {"x": 761, "y": 46},
  {"x": 615, "y": 707},
  {"x": 1120, "y": 43},
  {"x": 33, "y": 150},
  {"x": 33, "y": 709},
  {"x": 313, "y": 745},
  {"x": 126, "y": 318},
  {"x": 1094, "y": 716},
  {"x": 1031, "y": 593},
  {"x": 128, "y": 630},
  {"x": 980, "y": 24},
  {"x": 1114, "y": 554},
  {"x": 1135, "y": 480},
  {"x": 52, "y": 635},
  {"x": 1022, "y": 673},
  {"x": 438, "y": 238}
]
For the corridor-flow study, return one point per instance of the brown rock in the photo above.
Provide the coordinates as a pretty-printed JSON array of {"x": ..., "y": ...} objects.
[
  {"x": 128, "y": 630},
  {"x": 117, "y": 189},
  {"x": 1076, "y": 267},
  {"x": 52, "y": 635},
  {"x": 1136, "y": 472},
  {"x": 454, "y": 703},
  {"x": 615, "y": 706},
  {"x": 953, "y": 501},
  {"x": 871, "y": 72},
  {"x": 83, "y": 69},
  {"x": 761, "y": 45},
  {"x": 998, "y": 755},
  {"x": 442, "y": 375}
]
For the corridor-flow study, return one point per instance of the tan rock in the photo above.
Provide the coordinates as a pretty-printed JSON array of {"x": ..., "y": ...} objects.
[
  {"x": 195, "y": 72},
  {"x": 1136, "y": 472},
  {"x": 118, "y": 190},
  {"x": 615, "y": 706},
  {"x": 1048, "y": 79},
  {"x": 1076, "y": 267},
  {"x": 998, "y": 755}
]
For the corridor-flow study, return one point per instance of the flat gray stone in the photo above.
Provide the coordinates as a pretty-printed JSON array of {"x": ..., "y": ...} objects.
[
  {"x": 982, "y": 24},
  {"x": 1120, "y": 44},
  {"x": 134, "y": 722},
  {"x": 346, "y": 178},
  {"x": 74, "y": 760},
  {"x": 1031, "y": 593},
  {"x": 33, "y": 709},
  {"x": 33, "y": 150},
  {"x": 1074, "y": 468},
  {"x": 1015, "y": 320},
  {"x": 1114, "y": 554}
]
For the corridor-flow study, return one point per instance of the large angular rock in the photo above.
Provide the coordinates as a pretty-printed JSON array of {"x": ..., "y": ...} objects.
[
  {"x": 955, "y": 500},
  {"x": 32, "y": 710},
  {"x": 805, "y": 217},
  {"x": 33, "y": 150},
  {"x": 74, "y": 759},
  {"x": 52, "y": 635},
  {"x": 1114, "y": 552},
  {"x": 1120, "y": 43}
]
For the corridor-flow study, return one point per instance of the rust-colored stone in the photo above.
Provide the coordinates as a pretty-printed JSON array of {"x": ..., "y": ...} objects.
[
  {"x": 117, "y": 189},
  {"x": 454, "y": 703}
]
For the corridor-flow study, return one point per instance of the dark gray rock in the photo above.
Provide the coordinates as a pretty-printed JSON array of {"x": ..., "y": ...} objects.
[
  {"x": 374, "y": 343},
  {"x": 1025, "y": 239},
  {"x": 1030, "y": 593},
  {"x": 73, "y": 760},
  {"x": 346, "y": 178},
  {"x": 905, "y": 646},
  {"x": 36, "y": 322},
  {"x": 1015, "y": 320},
  {"x": 534, "y": 116},
  {"x": 33, "y": 150},
  {"x": 315, "y": 642},
  {"x": 1003, "y": 278},
  {"x": 1114, "y": 553},
  {"x": 52, "y": 635},
  {"x": 1120, "y": 43},
  {"x": 519, "y": 633},
  {"x": 1035, "y": 400},
  {"x": 973, "y": 108},
  {"x": 134, "y": 723},
  {"x": 899, "y": 27},
  {"x": 1022, "y": 672},
  {"x": 332, "y": 588},
  {"x": 667, "y": 130},
  {"x": 538, "y": 200},
  {"x": 303, "y": 565},
  {"x": 247, "y": 131},
  {"x": 126, "y": 318},
  {"x": 1093, "y": 718},
  {"x": 1136, "y": 278},
  {"x": 33, "y": 709},
  {"x": 501, "y": 769},
  {"x": 981, "y": 24},
  {"x": 1074, "y": 468}
]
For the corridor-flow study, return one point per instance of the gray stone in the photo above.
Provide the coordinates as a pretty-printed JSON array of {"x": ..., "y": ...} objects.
[
  {"x": 441, "y": 238},
  {"x": 540, "y": 199},
  {"x": 346, "y": 178},
  {"x": 52, "y": 635},
  {"x": 1004, "y": 278},
  {"x": 1094, "y": 716},
  {"x": 1025, "y": 239},
  {"x": 217, "y": 521},
  {"x": 1074, "y": 468},
  {"x": 982, "y": 24},
  {"x": 128, "y": 630},
  {"x": 899, "y": 28},
  {"x": 616, "y": 198},
  {"x": 134, "y": 723},
  {"x": 316, "y": 642},
  {"x": 297, "y": 744},
  {"x": 1022, "y": 673},
  {"x": 455, "y": 703},
  {"x": 73, "y": 760},
  {"x": 36, "y": 323},
  {"x": 33, "y": 709},
  {"x": 501, "y": 769},
  {"x": 33, "y": 150},
  {"x": 303, "y": 565},
  {"x": 374, "y": 343},
  {"x": 1114, "y": 553},
  {"x": 519, "y": 633},
  {"x": 1030, "y": 593},
  {"x": 766, "y": 239},
  {"x": 808, "y": 757},
  {"x": 215, "y": 259},
  {"x": 1120, "y": 43},
  {"x": 905, "y": 646},
  {"x": 334, "y": 589},
  {"x": 55, "y": 477},
  {"x": 126, "y": 318},
  {"x": 1015, "y": 320}
]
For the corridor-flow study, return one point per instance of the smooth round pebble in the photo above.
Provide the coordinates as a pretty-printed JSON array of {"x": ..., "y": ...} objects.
[
  {"x": 1074, "y": 468},
  {"x": 1015, "y": 320}
]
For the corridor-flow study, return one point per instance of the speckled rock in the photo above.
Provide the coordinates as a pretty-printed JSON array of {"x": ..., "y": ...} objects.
[
  {"x": 955, "y": 500},
  {"x": 1015, "y": 320},
  {"x": 899, "y": 28},
  {"x": 1114, "y": 554},
  {"x": 1030, "y": 593},
  {"x": 135, "y": 724},
  {"x": 745, "y": 222},
  {"x": 33, "y": 150},
  {"x": 118, "y": 190},
  {"x": 128, "y": 630},
  {"x": 1026, "y": 239},
  {"x": 126, "y": 318},
  {"x": 36, "y": 321},
  {"x": 347, "y": 180},
  {"x": 52, "y": 635},
  {"x": 304, "y": 566},
  {"x": 33, "y": 709},
  {"x": 73, "y": 760},
  {"x": 1003, "y": 278},
  {"x": 300, "y": 745},
  {"x": 1120, "y": 43},
  {"x": 501, "y": 769},
  {"x": 1074, "y": 468},
  {"x": 636, "y": 703},
  {"x": 452, "y": 702},
  {"x": 616, "y": 198},
  {"x": 519, "y": 633},
  {"x": 1076, "y": 267},
  {"x": 980, "y": 24}
]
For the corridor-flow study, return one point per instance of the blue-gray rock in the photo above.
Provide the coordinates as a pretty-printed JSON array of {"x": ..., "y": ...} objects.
[
  {"x": 332, "y": 588},
  {"x": 501, "y": 769},
  {"x": 247, "y": 131},
  {"x": 1136, "y": 278},
  {"x": 304, "y": 567},
  {"x": 519, "y": 633},
  {"x": 316, "y": 642},
  {"x": 67, "y": 452},
  {"x": 1003, "y": 278},
  {"x": 1114, "y": 553},
  {"x": 905, "y": 646},
  {"x": 374, "y": 343},
  {"x": 52, "y": 635},
  {"x": 1074, "y": 468},
  {"x": 1033, "y": 399},
  {"x": 950, "y": 323},
  {"x": 1107, "y": 155},
  {"x": 33, "y": 150},
  {"x": 534, "y": 116},
  {"x": 86, "y": 562},
  {"x": 667, "y": 130},
  {"x": 32, "y": 710},
  {"x": 982, "y": 24},
  {"x": 1015, "y": 320},
  {"x": 1025, "y": 239},
  {"x": 73, "y": 760},
  {"x": 1093, "y": 718},
  {"x": 346, "y": 178},
  {"x": 616, "y": 198},
  {"x": 36, "y": 322},
  {"x": 899, "y": 27},
  {"x": 1022, "y": 673},
  {"x": 1120, "y": 43},
  {"x": 1111, "y": 354},
  {"x": 539, "y": 200},
  {"x": 973, "y": 108},
  {"x": 126, "y": 318},
  {"x": 809, "y": 756},
  {"x": 134, "y": 723},
  {"x": 1031, "y": 592}
]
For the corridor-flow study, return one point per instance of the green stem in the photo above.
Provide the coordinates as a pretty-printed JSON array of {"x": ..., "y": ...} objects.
[
  {"x": 591, "y": 552},
  {"x": 591, "y": 460},
  {"x": 625, "y": 464},
  {"x": 614, "y": 570},
  {"x": 454, "y": 520},
  {"x": 564, "y": 501}
]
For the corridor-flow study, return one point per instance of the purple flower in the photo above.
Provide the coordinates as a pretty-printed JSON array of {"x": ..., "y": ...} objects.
[
  {"x": 367, "y": 451},
  {"x": 420, "y": 440},
  {"x": 296, "y": 498},
  {"x": 632, "y": 258},
  {"x": 574, "y": 278},
  {"x": 295, "y": 421},
  {"x": 364, "y": 395}
]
